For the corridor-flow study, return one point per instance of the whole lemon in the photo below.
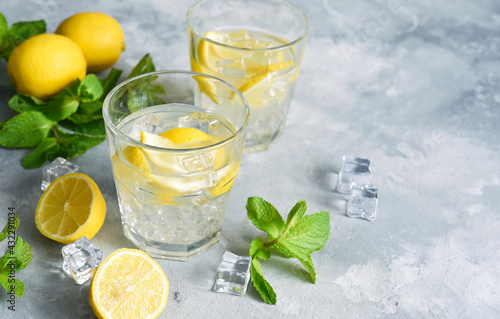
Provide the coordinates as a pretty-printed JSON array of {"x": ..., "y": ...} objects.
[
  {"x": 99, "y": 35},
  {"x": 44, "y": 64}
]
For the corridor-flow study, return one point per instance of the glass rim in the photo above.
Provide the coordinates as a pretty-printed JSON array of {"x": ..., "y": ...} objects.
[
  {"x": 299, "y": 39},
  {"x": 109, "y": 124}
]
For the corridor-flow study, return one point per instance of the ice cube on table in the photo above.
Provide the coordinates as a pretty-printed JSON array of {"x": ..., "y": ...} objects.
[
  {"x": 363, "y": 202},
  {"x": 57, "y": 168},
  {"x": 233, "y": 274},
  {"x": 81, "y": 259},
  {"x": 353, "y": 170}
]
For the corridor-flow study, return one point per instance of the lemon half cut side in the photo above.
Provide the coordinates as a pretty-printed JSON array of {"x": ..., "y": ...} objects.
[
  {"x": 71, "y": 207},
  {"x": 129, "y": 284}
]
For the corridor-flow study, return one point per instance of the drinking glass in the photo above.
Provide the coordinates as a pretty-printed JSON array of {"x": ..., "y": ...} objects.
[
  {"x": 175, "y": 154},
  {"x": 257, "y": 46}
]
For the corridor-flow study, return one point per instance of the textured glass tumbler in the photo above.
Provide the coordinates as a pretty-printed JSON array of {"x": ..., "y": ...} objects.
[
  {"x": 257, "y": 46},
  {"x": 173, "y": 196}
]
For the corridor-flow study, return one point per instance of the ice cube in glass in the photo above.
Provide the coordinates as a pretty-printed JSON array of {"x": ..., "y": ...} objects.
[
  {"x": 233, "y": 274},
  {"x": 81, "y": 259},
  {"x": 200, "y": 121},
  {"x": 363, "y": 202},
  {"x": 353, "y": 170},
  {"x": 57, "y": 168}
]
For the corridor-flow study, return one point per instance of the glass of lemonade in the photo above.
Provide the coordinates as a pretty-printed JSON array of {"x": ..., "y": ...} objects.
[
  {"x": 175, "y": 152},
  {"x": 257, "y": 46}
]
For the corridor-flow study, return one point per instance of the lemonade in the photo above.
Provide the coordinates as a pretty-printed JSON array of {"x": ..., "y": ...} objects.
[
  {"x": 189, "y": 186},
  {"x": 252, "y": 62},
  {"x": 175, "y": 157},
  {"x": 256, "y": 46}
]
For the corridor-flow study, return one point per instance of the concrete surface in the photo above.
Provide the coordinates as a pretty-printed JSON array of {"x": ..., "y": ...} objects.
[{"x": 414, "y": 86}]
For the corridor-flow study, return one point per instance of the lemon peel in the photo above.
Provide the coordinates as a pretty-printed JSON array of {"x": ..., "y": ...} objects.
[{"x": 45, "y": 64}]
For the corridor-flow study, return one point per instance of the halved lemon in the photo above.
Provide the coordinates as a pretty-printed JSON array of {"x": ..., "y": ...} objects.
[
  {"x": 71, "y": 207},
  {"x": 129, "y": 284}
]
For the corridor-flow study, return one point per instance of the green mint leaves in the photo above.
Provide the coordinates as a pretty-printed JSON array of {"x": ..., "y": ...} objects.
[
  {"x": 16, "y": 258},
  {"x": 68, "y": 124},
  {"x": 17, "y": 33},
  {"x": 298, "y": 237}
]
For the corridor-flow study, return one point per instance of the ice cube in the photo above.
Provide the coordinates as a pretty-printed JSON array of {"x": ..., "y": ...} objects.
[
  {"x": 233, "y": 274},
  {"x": 196, "y": 163},
  {"x": 135, "y": 132},
  {"x": 164, "y": 125},
  {"x": 57, "y": 168},
  {"x": 363, "y": 202},
  {"x": 81, "y": 259},
  {"x": 353, "y": 170},
  {"x": 200, "y": 121},
  {"x": 148, "y": 123}
]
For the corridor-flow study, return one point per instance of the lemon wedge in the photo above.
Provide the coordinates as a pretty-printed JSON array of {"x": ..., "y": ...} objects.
[
  {"x": 256, "y": 68},
  {"x": 187, "y": 136}
]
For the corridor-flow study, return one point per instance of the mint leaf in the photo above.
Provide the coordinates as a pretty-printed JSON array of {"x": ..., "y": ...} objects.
[
  {"x": 4, "y": 34},
  {"x": 10, "y": 227},
  {"x": 296, "y": 213},
  {"x": 90, "y": 89},
  {"x": 61, "y": 108},
  {"x": 265, "y": 217},
  {"x": 23, "y": 253},
  {"x": 57, "y": 109},
  {"x": 16, "y": 258},
  {"x": 308, "y": 235},
  {"x": 144, "y": 95},
  {"x": 91, "y": 107},
  {"x": 94, "y": 127},
  {"x": 23, "y": 103},
  {"x": 71, "y": 90},
  {"x": 12, "y": 285},
  {"x": 258, "y": 249},
  {"x": 298, "y": 238},
  {"x": 41, "y": 153},
  {"x": 17, "y": 33},
  {"x": 27, "y": 129},
  {"x": 145, "y": 65},
  {"x": 80, "y": 118},
  {"x": 263, "y": 287},
  {"x": 23, "y": 30},
  {"x": 110, "y": 82},
  {"x": 74, "y": 145}
]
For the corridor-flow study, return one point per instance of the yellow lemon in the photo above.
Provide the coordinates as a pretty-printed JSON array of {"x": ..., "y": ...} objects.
[
  {"x": 257, "y": 67},
  {"x": 99, "y": 35},
  {"x": 44, "y": 64},
  {"x": 71, "y": 207},
  {"x": 156, "y": 140},
  {"x": 129, "y": 284},
  {"x": 136, "y": 157},
  {"x": 186, "y": 135}
]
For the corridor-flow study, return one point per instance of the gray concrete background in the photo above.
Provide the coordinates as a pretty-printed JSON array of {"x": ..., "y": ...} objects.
[{"x": 412, "y": 86}]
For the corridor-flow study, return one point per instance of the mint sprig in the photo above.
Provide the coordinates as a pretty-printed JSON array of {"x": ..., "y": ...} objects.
[
  {"x": 16, "y": 258},
  {"x": 68, "y": 124},
  {"x": 298, "y": 237},
  {"x": 17, "y": 33}
]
